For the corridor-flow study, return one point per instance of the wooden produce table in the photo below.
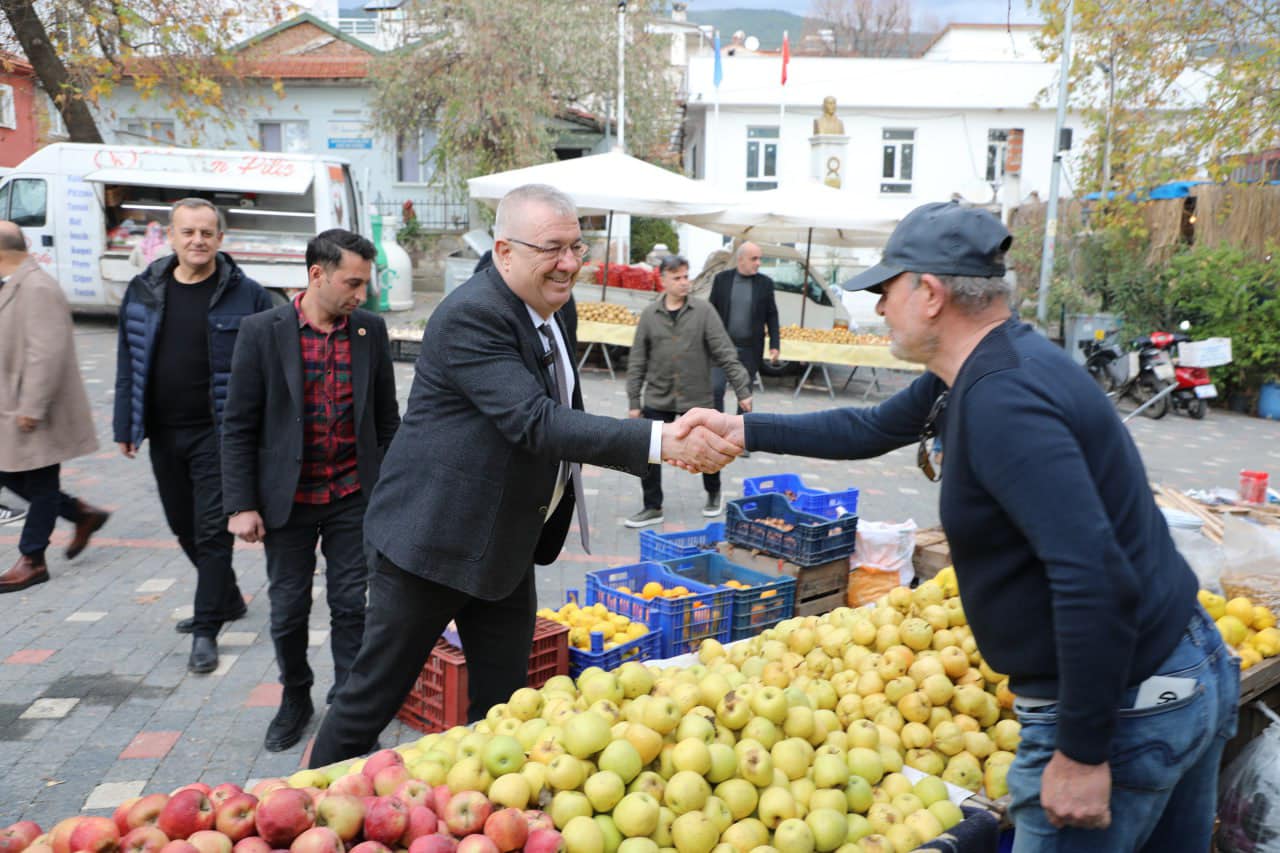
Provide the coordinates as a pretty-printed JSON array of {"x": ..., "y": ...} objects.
[
  {"x": 1260, "y": 683},
  {"x": 593, "y": 333},
  {"x": 872, "y": 356}
]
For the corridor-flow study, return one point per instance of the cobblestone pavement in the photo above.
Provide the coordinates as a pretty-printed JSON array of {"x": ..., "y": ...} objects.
[{"x": 96, "y": 704}]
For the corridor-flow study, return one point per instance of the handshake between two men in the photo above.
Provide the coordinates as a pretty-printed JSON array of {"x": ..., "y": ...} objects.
[{"x": 702, "y": 441}]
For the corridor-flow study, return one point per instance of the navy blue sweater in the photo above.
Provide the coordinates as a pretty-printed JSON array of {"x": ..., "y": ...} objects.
[{"x": 1070, "y": 580}]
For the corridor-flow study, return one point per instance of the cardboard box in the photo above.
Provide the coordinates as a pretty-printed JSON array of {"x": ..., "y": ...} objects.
[{"x": 1213, "y": 352}]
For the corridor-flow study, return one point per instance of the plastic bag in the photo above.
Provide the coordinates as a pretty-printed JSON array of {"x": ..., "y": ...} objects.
[
  {"x": 1251, "y": 564},
  {"x": 881, "y": 560},
  {"x": 1205, "y": 556},
  {"x": 1249, "y": 795}
]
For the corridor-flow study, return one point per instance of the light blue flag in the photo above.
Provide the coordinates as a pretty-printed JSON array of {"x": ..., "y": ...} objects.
[{"x": 719, "y": 72}]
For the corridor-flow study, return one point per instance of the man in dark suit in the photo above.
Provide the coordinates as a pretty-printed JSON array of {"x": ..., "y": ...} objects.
[
  {"x": 482, "y": 480},
  {"x": 744, "y": 299},
  {"x": 310, "y": 411}
]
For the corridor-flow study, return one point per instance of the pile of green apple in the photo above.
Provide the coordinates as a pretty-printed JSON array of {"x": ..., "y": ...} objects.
[{"x": 793, "y": 741}]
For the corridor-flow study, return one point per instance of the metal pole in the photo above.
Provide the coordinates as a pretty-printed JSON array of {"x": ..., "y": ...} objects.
[
  {"x": 1051, "y": 214},
  {"x": 622, "y": 91},
  {"x": 608, "y": 240},
  {"x": 804, "y": 279},
  {"x": 1106, "y": 149}
]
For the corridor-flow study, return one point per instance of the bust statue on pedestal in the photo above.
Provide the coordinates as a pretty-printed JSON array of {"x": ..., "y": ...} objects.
[{"x": 828, "y": 124}]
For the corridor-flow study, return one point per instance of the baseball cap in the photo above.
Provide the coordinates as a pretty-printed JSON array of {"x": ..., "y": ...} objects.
[{"x": 942, "y": 238}]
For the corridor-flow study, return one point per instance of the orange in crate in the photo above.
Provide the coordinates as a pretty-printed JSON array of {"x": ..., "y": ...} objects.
[{"x": 438, "y": 700}]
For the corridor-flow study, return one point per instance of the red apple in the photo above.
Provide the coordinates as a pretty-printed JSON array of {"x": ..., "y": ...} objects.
[
  {"x": 283, "y": 815},
  {"x": 436, "y": 843},
  {"x": 95, "y": 835},
  {"x": 189, "y": 810},
  {"x": 422, "y": 821},
  {"x": 385, "y": 821},
  {"x": 466, "y": 812},
  {"x": 387, "y": 780},
  {"x": 252, "y": 844},
  {"x": 194, "y": 786},
  {"x": 441, "y": 794},
  {"x": 538, "y": 819},
  {"x": 507, "y": 828},
  {"x": 544, "y": 841},
  {"x": 478, "y": 843},
  {"x": 60, "y": 835},
  {"x": 118, "y": 816},
  {"x": 210, "y": 841},
  {"x": 263, "y": 787},
  {"x": 355, "y": 784},
  {"x": 19, "y": 836},
  {"x": 143, "y": 839},
  {"x": 380, "y": 759},
  {"x": 179, "y": 846},
  {"x": 415, "y": 792},
  {"x": 317, "y": 839},
  {"x": 225, "y": 791},
  {"x": 370, "y": 847},
  {"x": 235, "y": 816},
  {"x": 146, "y": 810}
]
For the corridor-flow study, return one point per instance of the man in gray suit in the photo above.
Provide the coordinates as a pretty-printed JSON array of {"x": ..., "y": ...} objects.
[
  {"x": 482, "y": 479},
  {"x": 310, "y": 410}
]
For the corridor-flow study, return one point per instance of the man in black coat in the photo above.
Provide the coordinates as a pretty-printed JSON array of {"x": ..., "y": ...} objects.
[
  {"x": 744, "y": 299},
  {"x": 482, "y": 480},
  {"x": 310, "y": 411}
]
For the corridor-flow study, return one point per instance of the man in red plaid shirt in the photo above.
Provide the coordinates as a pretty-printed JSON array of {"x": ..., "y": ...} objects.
[{"x": 310, "y": 410}]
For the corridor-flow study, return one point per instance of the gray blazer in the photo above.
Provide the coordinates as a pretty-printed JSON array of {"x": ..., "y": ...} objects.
[
  {"x": 262, "y": 422},
  {"x": 463, "y": 496}
]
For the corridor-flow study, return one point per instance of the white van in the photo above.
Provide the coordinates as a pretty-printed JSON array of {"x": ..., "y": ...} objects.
[{"x": 94, "y": 215}]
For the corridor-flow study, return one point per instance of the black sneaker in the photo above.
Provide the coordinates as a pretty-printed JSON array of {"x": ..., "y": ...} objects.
[
  {"x": 9, "y": 515},
  {"x": 714, "y": 505},
  {"x": 645, "y": 518},
  {"x": 289, "y": 723}
]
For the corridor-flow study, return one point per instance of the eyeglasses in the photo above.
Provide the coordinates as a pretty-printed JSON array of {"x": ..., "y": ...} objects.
[
  {"x": 578, "y": 249},
  {"x": 929, "y": 453}
]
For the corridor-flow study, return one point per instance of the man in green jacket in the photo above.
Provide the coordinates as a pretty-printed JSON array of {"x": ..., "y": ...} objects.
[{"x": 669, "y": 372}]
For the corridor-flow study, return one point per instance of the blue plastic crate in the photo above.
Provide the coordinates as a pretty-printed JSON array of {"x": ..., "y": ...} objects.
[
  {"x": 686, "y": 543},
  {"x": 648, "y": 647},
  {"x": 811, "y": 541},
  {"x": 682, "y": 623},
  {"x": 806, "y": 499},
  {"x": 770, "y": 599}
]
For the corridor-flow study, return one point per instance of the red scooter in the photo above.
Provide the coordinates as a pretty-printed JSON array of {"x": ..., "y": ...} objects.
[{"x": 1194, "y": 386}]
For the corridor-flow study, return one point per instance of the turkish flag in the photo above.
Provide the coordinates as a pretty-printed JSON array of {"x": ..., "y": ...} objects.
[{"x": 786, "y": 56}]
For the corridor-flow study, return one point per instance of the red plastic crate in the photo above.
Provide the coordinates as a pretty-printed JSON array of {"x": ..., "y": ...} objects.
[{"x": 438, "y": 700}]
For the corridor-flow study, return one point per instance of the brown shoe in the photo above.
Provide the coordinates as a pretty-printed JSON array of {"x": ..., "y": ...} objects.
[
  {"x": 28, "y": 571},
  {"x": 91, "y": 520}
]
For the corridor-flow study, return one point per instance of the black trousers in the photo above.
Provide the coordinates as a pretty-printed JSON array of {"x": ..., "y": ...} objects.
[
  {"x": 338, "y": 527},
  {"x": 40, "y": 488},
  {"x": 651, "y": 482},
  {"x": 188, "y": 473},
  {"x": 747, "y": 357},
  {"x": 406, "y": 616}
]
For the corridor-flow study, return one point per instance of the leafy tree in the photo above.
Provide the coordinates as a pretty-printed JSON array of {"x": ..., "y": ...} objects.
[
  {"x": 874, "y": 28},
  {"x": 489, "y": 76},
  {"x": 1172, "y": 86},
  {"x": 177, "y": 52},
  {"x": 646, "y": 232}
]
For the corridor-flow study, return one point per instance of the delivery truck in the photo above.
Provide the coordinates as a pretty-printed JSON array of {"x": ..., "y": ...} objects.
[{"x": 96, "y": 215}]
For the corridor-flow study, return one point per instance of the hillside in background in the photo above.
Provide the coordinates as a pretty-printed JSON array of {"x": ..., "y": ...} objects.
[{"x": 765, "y": 24}]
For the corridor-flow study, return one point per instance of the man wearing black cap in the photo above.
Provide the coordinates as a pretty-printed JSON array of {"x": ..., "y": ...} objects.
[{"x": 1068, "y": 575}]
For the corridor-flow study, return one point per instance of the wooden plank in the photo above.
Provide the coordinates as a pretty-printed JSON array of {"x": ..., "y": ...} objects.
[
  {"x": 811, "y": 581},
  {"x": 821, "y": 604},
  {"x": 1258, "y": 679}
]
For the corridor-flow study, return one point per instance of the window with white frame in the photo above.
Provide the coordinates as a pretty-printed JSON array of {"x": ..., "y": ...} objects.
[
  {"x": 997, "y": 153},
  {"x": 762, "y": 158},
  {"x": 57, "y": 126},
  {"x": 413, "y": 151},
  {"x": 148, "y": 130},
  {"x": 8, "y": 108},
  {"x": 897, "y": 160},
  {"x": 286, "y": 137}
]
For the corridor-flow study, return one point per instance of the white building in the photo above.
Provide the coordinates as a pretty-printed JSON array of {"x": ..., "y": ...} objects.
[{"x": 973, "y": 118}]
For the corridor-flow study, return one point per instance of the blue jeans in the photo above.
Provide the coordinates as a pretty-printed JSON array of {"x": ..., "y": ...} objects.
[{"x": 1164, "y": 759}]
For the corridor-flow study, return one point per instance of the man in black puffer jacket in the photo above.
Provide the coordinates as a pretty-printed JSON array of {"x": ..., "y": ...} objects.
[{"x": 178, "y": 325}]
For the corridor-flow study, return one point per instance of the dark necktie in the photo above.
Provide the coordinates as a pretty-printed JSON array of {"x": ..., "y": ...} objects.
[{"x": 561, "y": 384}]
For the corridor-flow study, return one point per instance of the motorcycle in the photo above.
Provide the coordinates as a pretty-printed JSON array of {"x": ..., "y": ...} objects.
[
  {"x": 1194, "y": 387},
  {"x": 1144, "y": 373}
]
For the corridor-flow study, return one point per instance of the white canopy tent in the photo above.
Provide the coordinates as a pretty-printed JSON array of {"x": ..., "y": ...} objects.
[
  {"x": 609, "y": 183},
  {"x": 806, "y": 213}
]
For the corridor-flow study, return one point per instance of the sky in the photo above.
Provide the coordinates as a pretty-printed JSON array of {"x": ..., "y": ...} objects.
[{"x": 946, "y": 11}]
